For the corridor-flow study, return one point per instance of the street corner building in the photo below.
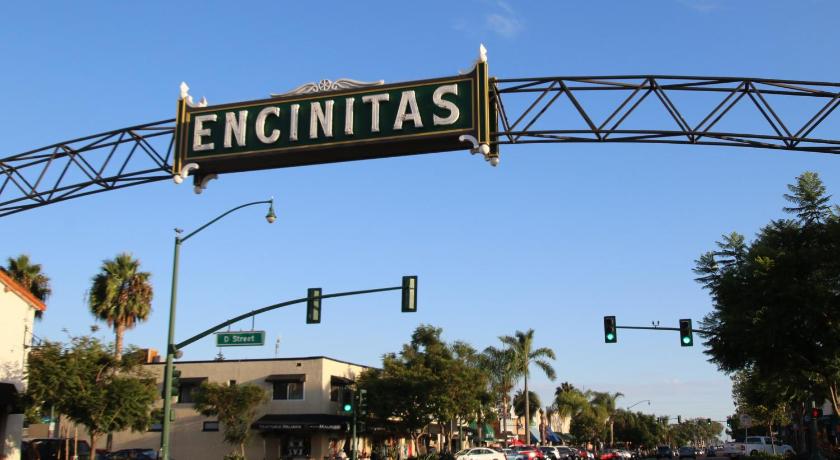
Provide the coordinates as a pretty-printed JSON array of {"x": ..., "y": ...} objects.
[
  {"x": 17, "y": 314},
  {"x": 302, "y": 418}
]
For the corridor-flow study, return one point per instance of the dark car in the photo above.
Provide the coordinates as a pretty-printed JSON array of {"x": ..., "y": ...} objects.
[
  {"x": 664, "y": 452},
  {"x": 55, "y": 449},
  {"x": 687, "y": 452},
  {"x": 134, "y": 454}
]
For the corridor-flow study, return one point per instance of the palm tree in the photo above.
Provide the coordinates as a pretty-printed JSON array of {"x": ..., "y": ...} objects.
[
  {"x": 519, "y": 403},
  {"x": 29, "y": 275},
  {"x": 499, "y": 362},
  {"x": 121, "y": 295},
  {"x": 570, "y": 401},
  {"x": 521, "y": 345},
  {"x": 603, "y": 403}
]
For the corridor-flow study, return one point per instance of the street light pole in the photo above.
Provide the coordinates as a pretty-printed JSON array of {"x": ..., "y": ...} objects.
[
  {"x": 637, "y": 403},
  {"x": 171, "y": 349}
]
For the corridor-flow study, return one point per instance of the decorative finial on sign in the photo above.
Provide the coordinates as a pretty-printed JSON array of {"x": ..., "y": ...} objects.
[
  {"x": 483, "y": 149},
  {"x": 185, "y": 90},
  {"x": 482, "y": 53},
  {"x": 185, "y": 95}
]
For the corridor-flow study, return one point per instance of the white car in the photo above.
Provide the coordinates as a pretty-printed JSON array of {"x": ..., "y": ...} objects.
[{"x": 480, "y": 453}]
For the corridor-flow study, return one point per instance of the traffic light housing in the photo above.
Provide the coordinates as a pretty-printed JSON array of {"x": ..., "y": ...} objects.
[
  {"x": 176, "y": 382},
  {"x": 409, "y": 294},
  {"x": 361, "y": 402},
  {"x": 686, "y": 336},
  {"x": 610, "y": 335},
  {"x": 313, "y": 306},
  {"x": 679, "y": 419}
]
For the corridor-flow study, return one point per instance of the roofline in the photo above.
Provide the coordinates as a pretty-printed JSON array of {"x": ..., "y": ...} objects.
[
  {"x": 21, "y": 291},
  {"x": 305, "y": 358}
]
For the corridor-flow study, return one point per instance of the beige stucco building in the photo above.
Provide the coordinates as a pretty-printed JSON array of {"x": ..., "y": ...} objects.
[
  {"x": 302, "y": 417},
  {"x": 17, "y": 313}
]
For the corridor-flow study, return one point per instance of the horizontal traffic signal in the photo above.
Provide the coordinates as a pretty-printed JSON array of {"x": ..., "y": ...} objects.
[{"x": 610, "y": 335}]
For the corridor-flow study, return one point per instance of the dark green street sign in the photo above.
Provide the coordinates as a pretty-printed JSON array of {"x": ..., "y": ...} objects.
[
  {"x": 336, "y": 121},
  {"x": 240, "y": 339}
]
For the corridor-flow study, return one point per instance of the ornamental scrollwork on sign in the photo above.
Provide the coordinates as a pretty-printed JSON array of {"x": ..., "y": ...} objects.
[{"x": 325, "y": 85}]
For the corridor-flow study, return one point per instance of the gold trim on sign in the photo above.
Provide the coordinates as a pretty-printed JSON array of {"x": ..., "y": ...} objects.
[{"x": 311, "y": 146}]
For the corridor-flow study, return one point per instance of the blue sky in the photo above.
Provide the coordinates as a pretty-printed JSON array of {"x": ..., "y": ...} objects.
[{"x": 553, "y": 239}]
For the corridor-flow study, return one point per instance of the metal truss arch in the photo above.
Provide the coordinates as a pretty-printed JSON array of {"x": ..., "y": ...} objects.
[
  {"x": 536, "y": 97},
  {"x": 597, "y": 109}
]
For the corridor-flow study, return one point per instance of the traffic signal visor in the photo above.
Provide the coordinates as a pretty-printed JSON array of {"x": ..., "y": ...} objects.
[
  {"x": 686, "y": 336},
  {"x": 409, "y": 294},
  {"x": 313, "y": 306},
  {"x": 610, "y": 335}
]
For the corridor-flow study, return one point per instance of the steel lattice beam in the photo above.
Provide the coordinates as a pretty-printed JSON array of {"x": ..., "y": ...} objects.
[
  {"x": 84, "y": 166},
  {"x": 533, "y": 120},
  {"x": 529, "y": 110}
]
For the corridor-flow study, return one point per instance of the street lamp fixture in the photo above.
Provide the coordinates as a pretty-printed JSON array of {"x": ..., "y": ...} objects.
[{"x": 171, "y": 350}]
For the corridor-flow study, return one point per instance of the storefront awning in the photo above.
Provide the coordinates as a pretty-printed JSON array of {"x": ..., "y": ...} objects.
[
  {"x": 552, "y": 436},
  {"x": 302, "y": 422},
  {"x": 335, "y": 380},
  {"x": 535, "y": 435},
  {"x": 286, "y": 378}
]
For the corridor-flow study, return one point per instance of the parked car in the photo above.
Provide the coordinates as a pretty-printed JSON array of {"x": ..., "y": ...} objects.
[
  {"x": 55, "y": 449},
  {"x": 687, "y": 452},
  {"x": 510, "y": 454},
  {"x": 567, "y": 453},
  {"x": 550, "y": 452},
  {"x": 664, "y": 452},
  {"x": 477, "y": 453},
  {"x": 529, "y": 453},
  {"x": 755, "y": 445},
  {"x": 610, "y": 454},
  {"x": 133, "y": 454}
]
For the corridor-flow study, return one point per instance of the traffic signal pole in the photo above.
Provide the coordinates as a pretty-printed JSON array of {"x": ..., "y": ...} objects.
[{"x": 355, "y": 454}]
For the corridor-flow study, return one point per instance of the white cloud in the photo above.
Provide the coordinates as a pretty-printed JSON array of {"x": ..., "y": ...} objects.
[{"x": 500, "y": 19}]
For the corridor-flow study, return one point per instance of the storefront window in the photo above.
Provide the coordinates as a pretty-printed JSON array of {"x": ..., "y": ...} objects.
[{"x": 288, "y": 390}]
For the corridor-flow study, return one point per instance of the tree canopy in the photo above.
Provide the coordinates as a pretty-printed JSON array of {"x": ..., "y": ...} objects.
[
  {"x": 777, "y": 299},
  {"x": 84, "y": 382},
  {"x": 235, "y": 406}
]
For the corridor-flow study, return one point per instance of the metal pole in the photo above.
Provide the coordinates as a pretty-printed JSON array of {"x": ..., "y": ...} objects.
[
  {"x": 170, "y": 355},
  {"x": 355, "y": 455}
]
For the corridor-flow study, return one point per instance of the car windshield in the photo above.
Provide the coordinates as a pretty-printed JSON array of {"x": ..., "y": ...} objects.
[{"x": 461, "y": 452}]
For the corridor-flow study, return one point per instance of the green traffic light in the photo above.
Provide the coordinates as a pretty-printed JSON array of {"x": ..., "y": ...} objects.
[
  {"x": 686, "y": 340},
  {"x": 610, "y": 337},
  {"x": 348, "y": 407}
]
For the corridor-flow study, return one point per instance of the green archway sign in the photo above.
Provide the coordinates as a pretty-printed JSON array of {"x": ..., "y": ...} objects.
[{"x": 336, "y": 121}]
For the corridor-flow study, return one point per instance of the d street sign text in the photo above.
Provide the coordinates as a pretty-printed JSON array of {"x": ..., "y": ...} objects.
[
  {"x": 240, "y": 339},
  {"x": 335, "y": 121}
]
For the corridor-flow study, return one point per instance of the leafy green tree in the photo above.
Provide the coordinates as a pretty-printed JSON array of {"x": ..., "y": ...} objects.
[
  {"x": 89, "y": 386},
  {"x": 428, "y": 380},
  {"x": 30, "y": 276},
  {"x": 585, "y": 427},
  {"x": 640, "y": 430},
  {"x": 780, "y": 290},
  {"x": 121, "y": 295},
  {"x": 235, "y": 406},
  {"x": 761, "y": 399},
  {"x": 522, "y": 346}
]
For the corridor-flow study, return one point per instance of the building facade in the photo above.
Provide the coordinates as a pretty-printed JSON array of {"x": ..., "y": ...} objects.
[
  {"x": 302, "y": 417},
  {"x": 17, "y": 314}
]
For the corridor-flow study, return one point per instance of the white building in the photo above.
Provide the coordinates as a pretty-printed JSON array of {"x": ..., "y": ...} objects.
[{"x": 17, "y": 313}]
